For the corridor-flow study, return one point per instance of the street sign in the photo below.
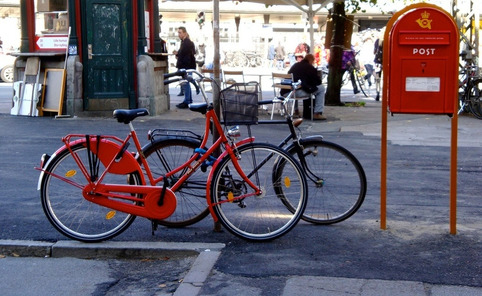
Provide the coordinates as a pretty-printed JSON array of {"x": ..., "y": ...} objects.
[{"x": 51, "y": 42}]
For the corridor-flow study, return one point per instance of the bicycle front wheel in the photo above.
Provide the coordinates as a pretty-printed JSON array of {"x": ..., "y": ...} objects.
[
  {"x": 263, "y": 216},
  {"x": 66, "y": 208},
  {"x": 336, "y": 181},
  {"x": 165, "y": 155},
  {"x": 362, "y": 82}
]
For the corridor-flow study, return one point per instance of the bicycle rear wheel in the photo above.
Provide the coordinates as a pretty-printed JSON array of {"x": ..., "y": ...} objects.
[
  {"x": 475, "y": 98},
  {"x": 163, "y": 156},
  {"x": 259, "y": 217},
  {"x": 336, "y": 181},
  {"x": 66, "y": 208}
]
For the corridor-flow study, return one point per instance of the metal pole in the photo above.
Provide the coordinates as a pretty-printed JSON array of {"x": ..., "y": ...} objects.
[
  {"x": 311, "y": 15},
  {"x": 217, "y": 68},
  {"x": 216, "y": 60}
]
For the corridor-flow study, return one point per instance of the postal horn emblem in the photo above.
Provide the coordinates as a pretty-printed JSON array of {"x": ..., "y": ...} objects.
[{"x": 424, "y": 22}]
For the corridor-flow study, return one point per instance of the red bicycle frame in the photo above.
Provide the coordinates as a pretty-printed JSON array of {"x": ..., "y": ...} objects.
[{"x": 149, "y": 201}]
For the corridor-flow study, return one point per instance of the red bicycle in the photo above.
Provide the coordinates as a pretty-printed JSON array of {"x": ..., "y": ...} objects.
[{"x": 92, "y": 187}]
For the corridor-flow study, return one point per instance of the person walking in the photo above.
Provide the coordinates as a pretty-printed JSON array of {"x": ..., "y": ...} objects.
[
  {"x": 378, "y": 52},
  {"x": 280, "y": 56},
  {"x": 366, "y": 58},
  {"x": 185, "y": 60},
  {"x": 349, "y": 60},
  {"x": 271, "y": 54},
  {"x": 310, "y": 84}
]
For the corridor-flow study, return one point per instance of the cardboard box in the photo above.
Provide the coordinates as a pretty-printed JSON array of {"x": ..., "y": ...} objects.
[
  {"x": 51, "y": 5},
  {"x": 61, "y": 24}
]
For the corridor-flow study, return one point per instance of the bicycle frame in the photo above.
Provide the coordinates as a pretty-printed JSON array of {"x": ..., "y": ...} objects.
[
  {"x": 296, "y": 142},
  {"x": 197, "y": 160},
  {"x": 149, "y": 201}
]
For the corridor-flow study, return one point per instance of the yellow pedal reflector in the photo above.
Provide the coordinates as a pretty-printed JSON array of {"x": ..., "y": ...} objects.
[
  {"x": 110, "y": 215},
  {"x": 70, "y": 173},
  {"x": 287, "y": 181},
  {"x": 230, "y": 196}
]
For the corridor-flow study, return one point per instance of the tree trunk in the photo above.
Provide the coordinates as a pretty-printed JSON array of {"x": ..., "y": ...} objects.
[{"x": 335, "y": 74}]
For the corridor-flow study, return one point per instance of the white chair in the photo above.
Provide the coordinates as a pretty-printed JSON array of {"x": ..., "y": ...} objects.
[
  {"x": 232, "y": 76},
  {"x": 283, "y": 81},
  {"x": 209, "y": 74}
]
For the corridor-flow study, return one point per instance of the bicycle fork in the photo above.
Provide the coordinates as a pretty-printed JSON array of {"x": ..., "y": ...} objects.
[{"x": 236, "y": 188}]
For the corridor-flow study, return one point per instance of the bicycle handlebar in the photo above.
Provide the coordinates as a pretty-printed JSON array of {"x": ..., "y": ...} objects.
[
  {"x": 180, "y": 72},
  {"x": 184, "y": 76}
]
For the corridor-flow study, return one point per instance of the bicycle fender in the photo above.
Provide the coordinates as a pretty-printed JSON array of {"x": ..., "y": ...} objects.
[
  {"x": 107, "y": 152},
  {"x": 310, "y": 138},
  {"x": 52, "y": 157},
  {"x": 211, "y": 173},
  {"x": 303, "y": 141},
  {"x": 45, "y": 165}
]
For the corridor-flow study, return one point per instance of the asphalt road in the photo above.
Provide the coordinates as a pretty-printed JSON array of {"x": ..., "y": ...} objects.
[{"x": 416, "y": 247}]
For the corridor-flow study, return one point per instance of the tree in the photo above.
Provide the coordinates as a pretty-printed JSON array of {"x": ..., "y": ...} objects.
[{"x": 338, "y": 15}]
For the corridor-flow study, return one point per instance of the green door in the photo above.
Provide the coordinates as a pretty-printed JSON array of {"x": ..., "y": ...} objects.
[{"x": 107, "y": 58}]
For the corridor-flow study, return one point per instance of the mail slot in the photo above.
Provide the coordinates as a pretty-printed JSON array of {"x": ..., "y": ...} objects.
[{"x": 423, "y": 62}]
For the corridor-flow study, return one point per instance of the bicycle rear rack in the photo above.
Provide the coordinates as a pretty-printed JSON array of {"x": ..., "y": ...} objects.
[{"x": 172, "y": 133}]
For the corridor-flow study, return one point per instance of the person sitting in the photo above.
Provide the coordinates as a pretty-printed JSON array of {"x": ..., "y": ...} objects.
[{"x": 310, "y": 84}]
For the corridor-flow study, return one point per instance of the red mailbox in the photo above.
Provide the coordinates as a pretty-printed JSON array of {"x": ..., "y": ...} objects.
[{"x": 423, "y": 62}]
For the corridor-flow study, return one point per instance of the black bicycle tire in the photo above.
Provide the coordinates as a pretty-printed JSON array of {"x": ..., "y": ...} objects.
[
  {"x": 314, "y": 202},
  {"x": 359, "y": 82},
  {"x": 346, "y": 77},
  {"x": 187, "y": 200},
  {"x": 57, "y": 219},
  {"x": 233, "y": 225}
]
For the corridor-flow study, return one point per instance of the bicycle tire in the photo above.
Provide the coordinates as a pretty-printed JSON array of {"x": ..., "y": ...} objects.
[
  {"x": 336, "y": 181},
  {"x": 475, "y": 98},
  {"x": 166, "y": 154},
  {"x": 263, "y": 217},
  {"x": 66, "y": 208},
  {"x": 345, "y": 78},
  {"x": 240, "y": 60},
  {"x": 362, "y": 82}
]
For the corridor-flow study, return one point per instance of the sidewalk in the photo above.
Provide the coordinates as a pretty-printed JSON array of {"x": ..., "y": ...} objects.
[
  {"x": 402, "y": 129},
  {"x": 66, "y": 270},
  {"x": 161, "y": 268}
]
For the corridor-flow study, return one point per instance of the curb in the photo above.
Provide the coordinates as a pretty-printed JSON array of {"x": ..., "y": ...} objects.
[
  {"x": 104, "y": 250},
  {"x": 207, "y": 255}
]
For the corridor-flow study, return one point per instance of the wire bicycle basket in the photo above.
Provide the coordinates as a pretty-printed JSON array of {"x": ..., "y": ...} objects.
[{"x": 239, "y": 103}]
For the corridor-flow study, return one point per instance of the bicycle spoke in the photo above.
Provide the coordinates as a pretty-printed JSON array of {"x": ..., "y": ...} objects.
[
  {"x": 66, "y": 208},
  {"x": 163, "y": 156},
  {"x": 263, "y": 216}
]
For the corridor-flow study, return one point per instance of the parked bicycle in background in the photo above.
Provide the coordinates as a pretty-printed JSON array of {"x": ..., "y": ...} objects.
[
  {"x": 470, "y": 87},
  {"x": 336, "y": 180}
]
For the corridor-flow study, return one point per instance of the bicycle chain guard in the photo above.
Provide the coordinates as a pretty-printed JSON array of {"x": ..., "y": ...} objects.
[{"x": 123, "y": 198}]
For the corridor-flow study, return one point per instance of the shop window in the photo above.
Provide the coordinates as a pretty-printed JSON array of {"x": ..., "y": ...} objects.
[{"x": 52, "y": 24}]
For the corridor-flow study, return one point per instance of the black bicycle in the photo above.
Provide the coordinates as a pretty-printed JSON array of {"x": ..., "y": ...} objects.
[
  {"x": 336, "y": 179},
  {"x": 470, "y": 89}
]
